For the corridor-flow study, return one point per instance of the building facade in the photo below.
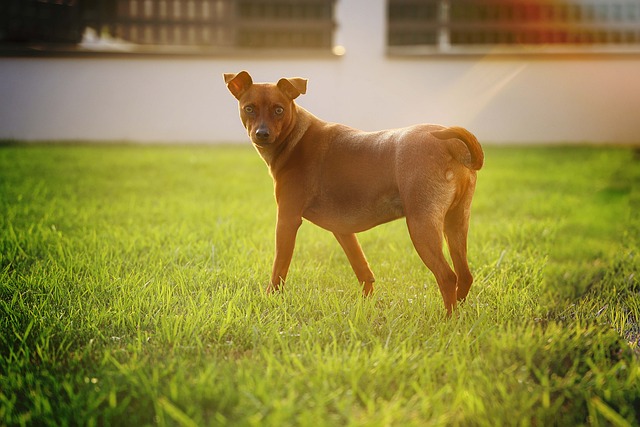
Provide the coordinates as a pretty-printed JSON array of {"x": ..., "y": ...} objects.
[{"x": 511, "y": 71}]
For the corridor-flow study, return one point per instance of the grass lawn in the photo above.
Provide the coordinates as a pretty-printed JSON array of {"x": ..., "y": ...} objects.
[{"x": 132, "y": 292}]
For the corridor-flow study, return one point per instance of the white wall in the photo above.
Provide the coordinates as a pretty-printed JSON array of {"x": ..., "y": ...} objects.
[{"x": 501, "y": 99}]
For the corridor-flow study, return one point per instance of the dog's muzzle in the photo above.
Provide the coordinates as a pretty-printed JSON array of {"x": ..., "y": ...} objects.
[{"x": 262, "y": 135}]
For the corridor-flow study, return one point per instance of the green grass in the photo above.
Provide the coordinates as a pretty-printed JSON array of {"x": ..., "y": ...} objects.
[{"x": 132, "y": 292}]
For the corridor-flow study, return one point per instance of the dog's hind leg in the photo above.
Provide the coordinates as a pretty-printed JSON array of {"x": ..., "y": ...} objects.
[
  {"x": 426, "y": 235},
  {"x": 456, "y": 227},
  {"x": 358, "y": 262}
]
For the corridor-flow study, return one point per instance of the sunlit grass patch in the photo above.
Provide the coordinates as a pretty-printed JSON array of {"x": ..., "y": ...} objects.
[{"x": 132, "y": 292}]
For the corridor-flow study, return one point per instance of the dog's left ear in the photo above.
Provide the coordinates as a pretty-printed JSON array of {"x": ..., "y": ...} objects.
[
  {"x": 238, "y": 83},
  {"x": 293, "y": 87}
]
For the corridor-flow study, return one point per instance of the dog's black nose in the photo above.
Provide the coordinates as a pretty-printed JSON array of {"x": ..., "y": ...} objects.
[{"x": 262, "y": 133}]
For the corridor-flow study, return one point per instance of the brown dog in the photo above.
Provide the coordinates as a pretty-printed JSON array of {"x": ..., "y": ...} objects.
[{"x": 347, "y": 181}]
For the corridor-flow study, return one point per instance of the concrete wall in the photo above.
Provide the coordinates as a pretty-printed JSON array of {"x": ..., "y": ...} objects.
[{"x": 501, "y": 99}]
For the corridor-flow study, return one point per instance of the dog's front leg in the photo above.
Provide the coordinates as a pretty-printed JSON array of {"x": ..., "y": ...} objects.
[{"x": 286, "y": 230}]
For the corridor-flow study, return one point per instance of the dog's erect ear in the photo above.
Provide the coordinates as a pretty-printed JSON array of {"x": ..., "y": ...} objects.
[
  {"x": 293, "y": 87},
  {"x": 238, "y": 83}
]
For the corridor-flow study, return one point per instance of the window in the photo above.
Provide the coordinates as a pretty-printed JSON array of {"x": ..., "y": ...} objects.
[
  {"x": 285, "y": 24},
  {"x": 166, "y": 26},
  {"x": 468, "y": 26}
]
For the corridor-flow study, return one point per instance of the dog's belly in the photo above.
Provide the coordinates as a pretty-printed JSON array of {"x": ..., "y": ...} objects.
[{"x": 354, "y": 213}]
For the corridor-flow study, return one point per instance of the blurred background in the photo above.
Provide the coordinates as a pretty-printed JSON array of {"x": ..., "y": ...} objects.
[{"x": 511, "y": 71}]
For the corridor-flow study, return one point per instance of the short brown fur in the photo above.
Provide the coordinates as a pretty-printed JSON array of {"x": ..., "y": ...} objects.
[{"x": 347, "y": 181}]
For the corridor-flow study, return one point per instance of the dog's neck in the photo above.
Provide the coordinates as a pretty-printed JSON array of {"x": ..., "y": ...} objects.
[{"x": 277, "y": 154}]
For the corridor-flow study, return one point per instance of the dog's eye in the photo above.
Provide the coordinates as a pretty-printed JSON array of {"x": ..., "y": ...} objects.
[
  {"x": 248, "y": 109},
  {"x": 279, "y": 110}
]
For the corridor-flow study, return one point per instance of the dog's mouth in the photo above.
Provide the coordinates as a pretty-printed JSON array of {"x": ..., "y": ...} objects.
[{"x": 261, "y": 141}]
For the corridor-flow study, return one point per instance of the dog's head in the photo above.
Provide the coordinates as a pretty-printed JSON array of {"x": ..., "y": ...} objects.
[{"x": 267, "y": 110}]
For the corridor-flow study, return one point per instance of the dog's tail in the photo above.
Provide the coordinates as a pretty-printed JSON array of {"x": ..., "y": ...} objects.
[{"x": 473, "y": 156}]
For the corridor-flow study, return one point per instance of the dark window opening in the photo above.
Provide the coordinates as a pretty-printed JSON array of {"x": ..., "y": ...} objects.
[
  {"x": 449, "y": 24},
  {"x": 168, "y": 25}
]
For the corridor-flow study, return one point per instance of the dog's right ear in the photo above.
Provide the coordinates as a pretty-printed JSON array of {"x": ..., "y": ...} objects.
[{"x": 238, "y": 83}]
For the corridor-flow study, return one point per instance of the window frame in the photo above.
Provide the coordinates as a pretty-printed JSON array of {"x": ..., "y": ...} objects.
[
  {"x": 198, "y": 28},
  {"x": 441, "y": 29}
]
